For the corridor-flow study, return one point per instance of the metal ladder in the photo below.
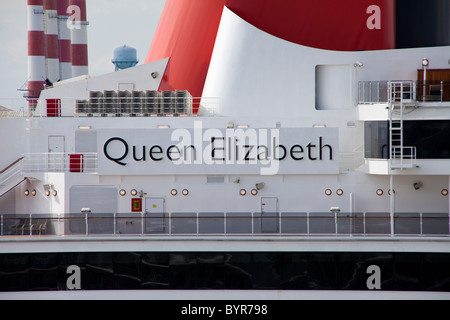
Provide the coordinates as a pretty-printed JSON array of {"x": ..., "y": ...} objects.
[{"x": 401, "y": 93}]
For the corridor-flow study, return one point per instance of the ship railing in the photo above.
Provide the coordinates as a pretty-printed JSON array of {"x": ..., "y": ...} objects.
[
  {"x": 144, "y": 104},
  {"x": 60, "y": 162},
  {"x": 110, "y": 104},
  {"x": 17, "y": 108},
  {"x": 244, "y": 224},
  {"x": 433, "y": 91},
  {"x": 374, "y": 92}
]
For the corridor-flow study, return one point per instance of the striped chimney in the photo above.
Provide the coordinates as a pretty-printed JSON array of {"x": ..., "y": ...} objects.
[
  {"x": 51, "y": 40},
  {"x": 65, "y": 43},
  {"x": 79, "y": 37},
  {"x": 36, "y": 49}
]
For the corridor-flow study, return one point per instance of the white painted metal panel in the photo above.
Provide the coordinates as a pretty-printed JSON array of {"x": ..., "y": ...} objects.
[
  {"x": 269, "y": 214},
  {"x": 99, "y": 199},
  {"x": 56, "y": 144}
]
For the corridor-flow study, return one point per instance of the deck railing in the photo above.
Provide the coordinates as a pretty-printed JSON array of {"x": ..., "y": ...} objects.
[
  {"x": 227, "y": 224},
  {"x": 373, "y": 92},
  {"x": 100, "y": 104},
  {"x": 60, "y": 162},
  {"x": 370, "y": 92}
]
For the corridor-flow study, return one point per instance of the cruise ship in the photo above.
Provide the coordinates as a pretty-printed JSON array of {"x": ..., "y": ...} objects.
[{"x": 264, "y": 150}]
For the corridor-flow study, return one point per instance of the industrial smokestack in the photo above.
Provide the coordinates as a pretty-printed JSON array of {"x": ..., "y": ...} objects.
[
  {"x": 36, "y": 49},
  {"x": 51, "y": 40},
  {"x": 65, "y": 43},
  {"x": 79, "y": 37}
]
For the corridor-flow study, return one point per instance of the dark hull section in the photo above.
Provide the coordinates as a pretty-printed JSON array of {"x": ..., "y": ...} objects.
[{"x": 384, "y": 271}]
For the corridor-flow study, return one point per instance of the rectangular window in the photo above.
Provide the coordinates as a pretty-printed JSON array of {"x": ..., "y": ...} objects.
[{"x": 430, "y": 137}]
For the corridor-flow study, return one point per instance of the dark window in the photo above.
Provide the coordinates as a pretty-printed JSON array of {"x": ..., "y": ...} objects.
[
  {"x": 376, "y": 139},
  {"x": 431, "y": 138}
]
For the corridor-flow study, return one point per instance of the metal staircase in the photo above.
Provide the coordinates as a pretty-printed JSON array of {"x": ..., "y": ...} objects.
[
  {"x": 11, "y": 176},
  {"x": 401, "y": 94}
]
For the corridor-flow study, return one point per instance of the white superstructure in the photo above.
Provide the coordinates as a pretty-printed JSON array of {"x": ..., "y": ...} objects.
[{"x": 294, "y": 149}]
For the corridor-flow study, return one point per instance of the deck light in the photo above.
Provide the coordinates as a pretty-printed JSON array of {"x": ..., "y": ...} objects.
[
  {"x": 254, "y": 192},
  {"x": 243, "y": 192},
  {"x": 27, "y": 192},
  {"x": 47, "y": 193},
  {"x": 417, "y": 185},
  {"x": 340, "y": 192},
  {"x": 260, "y": 185},
  {"x": 335, "y": 209},
  {"x": 54, "y": 193},
  {"x": 185, "y": 192},
  {"x": 328, "y": 192},
  {"x": 444, "y": 192},
  {"x": 122, "y": 192},
  {"x": 380, "y": 192},
  {"x": 133, "y": 192},
  {"x": 425, "y": 62},
  {"x": 33, "y": 193},
  {"x": 174, "y": 192}
]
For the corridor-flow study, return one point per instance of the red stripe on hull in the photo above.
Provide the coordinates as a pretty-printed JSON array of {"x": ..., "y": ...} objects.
[
  {"x": 79, "y": 55},
  {"x": 35, "y": 2},
  {"x": 35, "y": 88},
  {"x": 62, "y": 7},
  {"x": 52, "y": 46},
  {"x": 36, "y": 43},
  {"x": 50, "y": 5},
  {"x": 82, "y": 5},
  {"x": 65, "y": 51}
]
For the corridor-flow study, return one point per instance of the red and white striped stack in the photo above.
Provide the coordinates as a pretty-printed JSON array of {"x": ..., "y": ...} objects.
[
  {"x": 51, "y": 40},
  {"x": 57, "y": 42},
  {"x": 36, "y": 48},
  {"x": 79, "y": 40},
  {"x": 65, "y": 43}
]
